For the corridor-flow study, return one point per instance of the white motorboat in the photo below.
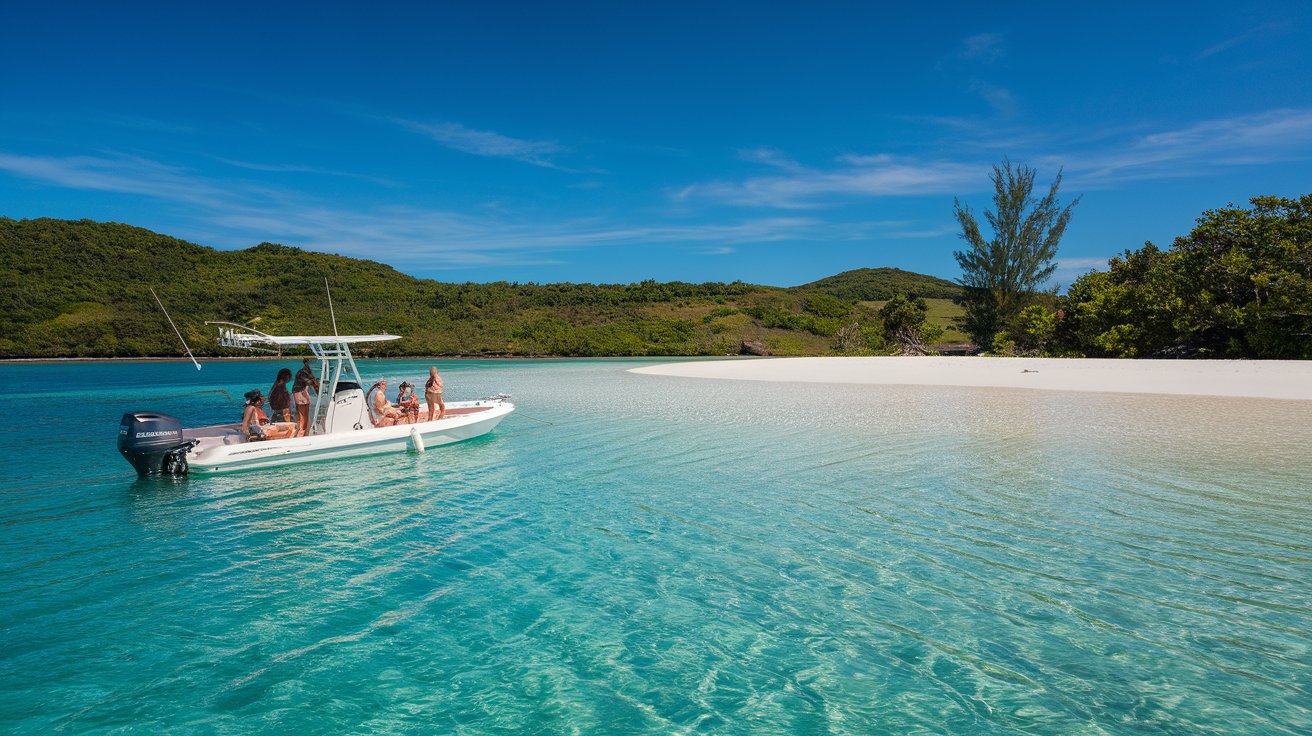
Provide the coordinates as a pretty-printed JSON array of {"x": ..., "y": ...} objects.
[{"x": 342, "y": 422}]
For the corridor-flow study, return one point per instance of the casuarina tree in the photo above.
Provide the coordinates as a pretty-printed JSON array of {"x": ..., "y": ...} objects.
[{"x": 1001, "y": 276}]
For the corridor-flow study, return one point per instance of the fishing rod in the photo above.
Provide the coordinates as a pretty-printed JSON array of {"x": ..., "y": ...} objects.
[
  {"x": 331, "y": 313},
  {"x": 175, "y": 328}
]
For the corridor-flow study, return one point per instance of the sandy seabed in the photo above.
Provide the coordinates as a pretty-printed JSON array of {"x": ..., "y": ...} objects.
[{"x": 1283, "y": 379}]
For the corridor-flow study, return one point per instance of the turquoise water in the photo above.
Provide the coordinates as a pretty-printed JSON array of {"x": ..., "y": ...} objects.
[{"x": 639, "y": 554}]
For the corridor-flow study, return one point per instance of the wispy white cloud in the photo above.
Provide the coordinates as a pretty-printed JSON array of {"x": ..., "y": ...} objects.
[
  {"x": 855, "y": 176},
  {"x": 1001, "y": 100},
  {"x": 985, "y": 47},
  {"x": 428, "y": 239},
  {"x": 300, "y": 169},
  {"x": 1233, "y": 41},
  {"x": 124, "y": 174},
  {"x": 1274, "y": 135},
  {"x": 1081, "y": 264},
  {"x": 1263, "y": 130},
  {"x": 926, "y": 232},
  {"x": 1069, "y": 269},
  {"x": 770, "y": 157},
  {"x": 487, "y": 143},
  {"x": 1130, "y": 153},
  {"x": 791, "y": 196},
  {"x": 148, "y": 124},
  {"x": 968, "y": 61},
  {"x": 409, "y": 237}
]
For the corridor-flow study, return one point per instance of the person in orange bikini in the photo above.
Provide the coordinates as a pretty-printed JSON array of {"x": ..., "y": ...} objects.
[{"x": 433, "y": 394}]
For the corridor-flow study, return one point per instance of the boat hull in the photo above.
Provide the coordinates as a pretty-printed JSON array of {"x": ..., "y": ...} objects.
[{"x": 219, "y": 457}]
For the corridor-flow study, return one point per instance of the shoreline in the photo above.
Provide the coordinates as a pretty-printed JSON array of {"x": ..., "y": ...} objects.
[
  {"x": 1286, "y": 380},
  {"x": 236, "y": 358}
]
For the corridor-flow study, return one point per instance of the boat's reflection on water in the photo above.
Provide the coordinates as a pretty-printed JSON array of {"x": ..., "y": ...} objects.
[{"x": 332, "y": 494}]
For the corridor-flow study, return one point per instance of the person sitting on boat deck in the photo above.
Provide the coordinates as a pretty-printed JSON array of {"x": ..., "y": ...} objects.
[
  {"x": 385, "y": 414},
  {"x": 305, "y": 378},
  {"x": 407, "y": 402},
  {"x": 280, "y": 400},
  {"x": 255, "y": 423},
  {"x": 433, "y": 394}
]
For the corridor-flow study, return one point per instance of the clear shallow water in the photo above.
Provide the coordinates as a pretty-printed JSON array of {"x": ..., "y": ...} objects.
[{"x": 655, "y": 555}]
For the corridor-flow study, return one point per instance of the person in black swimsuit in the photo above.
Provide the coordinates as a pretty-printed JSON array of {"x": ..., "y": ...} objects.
[{"x": 280, "y": 400}]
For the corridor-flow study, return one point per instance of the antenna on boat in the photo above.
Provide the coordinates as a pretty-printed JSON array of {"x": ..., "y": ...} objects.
[
  {"x": 330, "y": 305},
  {"x": 175, "y": 328}
]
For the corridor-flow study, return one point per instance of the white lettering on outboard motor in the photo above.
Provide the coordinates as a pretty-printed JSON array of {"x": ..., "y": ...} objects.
[{"x": 155, "y": 434}]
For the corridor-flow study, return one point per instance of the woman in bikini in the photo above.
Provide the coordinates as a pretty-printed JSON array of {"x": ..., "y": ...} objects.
[
  {"x": 280, "y": 400},
  {"x": 305, "y": 378},
  {"x": 255, "y": 423},
  {"x": 433, "y": 394}
]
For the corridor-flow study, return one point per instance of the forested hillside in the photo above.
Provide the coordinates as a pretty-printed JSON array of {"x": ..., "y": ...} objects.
[
  {"x": 81, "y": 288},
  {"x": 882, "y": 284}
]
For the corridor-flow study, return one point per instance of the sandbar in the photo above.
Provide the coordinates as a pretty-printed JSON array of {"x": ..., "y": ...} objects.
[{"x": 1268, "y": 379}]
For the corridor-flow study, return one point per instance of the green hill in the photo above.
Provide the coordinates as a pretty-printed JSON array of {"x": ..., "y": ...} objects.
[
  {"x": 81, "y": 288},
  {"x": 880, "y": 284}
]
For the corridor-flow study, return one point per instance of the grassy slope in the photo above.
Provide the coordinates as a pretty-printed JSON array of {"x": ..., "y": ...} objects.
[
  {"x": 80, "y": 288},
  {"x": 942, "y": 312}
]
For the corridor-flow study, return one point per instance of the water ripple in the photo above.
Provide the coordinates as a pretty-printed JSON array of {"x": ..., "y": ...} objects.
[{"x": 638, "y": 554}]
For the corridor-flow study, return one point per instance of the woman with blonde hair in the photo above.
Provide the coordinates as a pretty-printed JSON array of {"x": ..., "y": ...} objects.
[
  {"x": 433, "y": 394},
  {"x": 385, "y": 414}
]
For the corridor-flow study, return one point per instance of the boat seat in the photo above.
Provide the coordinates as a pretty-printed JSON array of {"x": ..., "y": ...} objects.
[{"x": 218, "y": 431}]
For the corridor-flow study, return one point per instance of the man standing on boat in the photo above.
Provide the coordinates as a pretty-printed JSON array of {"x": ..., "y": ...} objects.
[{"x": 301, "y": 393}]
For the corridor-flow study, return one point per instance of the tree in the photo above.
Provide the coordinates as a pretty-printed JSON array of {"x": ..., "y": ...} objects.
[
  {"x": 1250, "y": 273},
  {"x": 904, "y": 322},
  {"x": 1000, "y": 277},
  {"x": 1238, "y": 286},
  {"x": 1131, "y": 310},
  {"x": 1037, "y": 324}
]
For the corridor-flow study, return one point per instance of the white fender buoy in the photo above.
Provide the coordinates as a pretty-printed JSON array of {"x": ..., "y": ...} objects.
[{"x": 416, "y": 441}]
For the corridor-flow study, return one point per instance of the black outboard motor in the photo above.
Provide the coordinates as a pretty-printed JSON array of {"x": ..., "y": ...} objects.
[{"x": 153, "y": 443}]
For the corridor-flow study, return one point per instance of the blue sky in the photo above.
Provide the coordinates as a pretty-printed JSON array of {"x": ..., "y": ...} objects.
[{"x": 615, "y": 142}]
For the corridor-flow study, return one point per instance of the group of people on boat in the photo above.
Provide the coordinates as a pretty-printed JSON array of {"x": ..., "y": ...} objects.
[
  {"x": 406, "y": 408},
  {"x": 280, "y": 423}
]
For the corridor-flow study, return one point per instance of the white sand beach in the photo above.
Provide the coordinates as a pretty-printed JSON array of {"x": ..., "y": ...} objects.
[{"x": 1236, "y": 378}]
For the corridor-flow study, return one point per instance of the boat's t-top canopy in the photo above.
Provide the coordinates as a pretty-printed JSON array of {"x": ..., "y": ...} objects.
[{"x": 233, "y": 335}]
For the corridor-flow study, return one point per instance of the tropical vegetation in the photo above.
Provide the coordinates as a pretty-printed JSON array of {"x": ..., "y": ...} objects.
[
  {"x": 1238, "y": 286},
  {"x": 82, "y": 288}
]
